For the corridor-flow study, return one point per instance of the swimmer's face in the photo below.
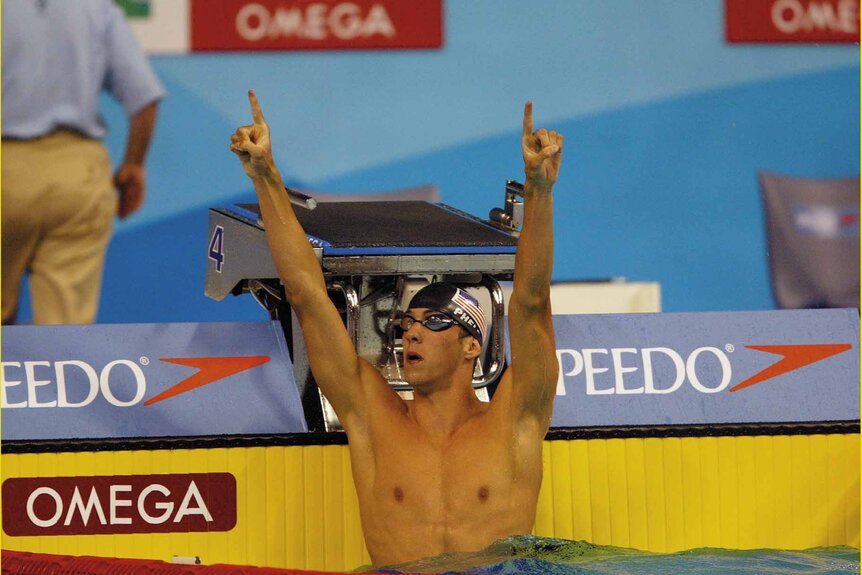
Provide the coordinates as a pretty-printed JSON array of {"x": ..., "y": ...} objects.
[{"x": 431, "y": 355}]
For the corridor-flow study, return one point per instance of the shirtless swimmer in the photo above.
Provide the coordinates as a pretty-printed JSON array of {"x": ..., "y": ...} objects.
[{"x": 444, "y": 472}]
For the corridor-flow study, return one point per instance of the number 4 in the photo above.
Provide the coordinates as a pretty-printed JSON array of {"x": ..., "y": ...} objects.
[{"x": 216, "y": 249}]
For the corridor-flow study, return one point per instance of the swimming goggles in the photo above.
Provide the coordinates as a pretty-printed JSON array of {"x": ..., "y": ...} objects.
[{"x": 434, "y": 322}]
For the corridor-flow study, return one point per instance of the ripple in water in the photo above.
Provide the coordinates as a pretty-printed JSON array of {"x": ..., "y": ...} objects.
[{"x": 530, "y": 555}]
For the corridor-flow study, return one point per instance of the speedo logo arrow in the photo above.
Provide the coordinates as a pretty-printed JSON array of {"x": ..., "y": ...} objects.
[
  {"x": 793, "y": 357},
  {"x": 210, "y": 369}
]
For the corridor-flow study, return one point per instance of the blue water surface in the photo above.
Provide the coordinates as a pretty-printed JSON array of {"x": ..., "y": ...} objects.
[{"x": 530, "y": 555}]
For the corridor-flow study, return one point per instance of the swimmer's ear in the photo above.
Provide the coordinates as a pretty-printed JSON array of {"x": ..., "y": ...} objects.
[{"x": 472, "y": 347}]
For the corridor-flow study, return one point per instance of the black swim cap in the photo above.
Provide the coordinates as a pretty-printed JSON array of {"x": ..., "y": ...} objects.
[{"x": 455, "y": 303}]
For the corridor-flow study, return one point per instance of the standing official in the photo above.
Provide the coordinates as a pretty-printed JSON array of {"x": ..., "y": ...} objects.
[{"x": 59, "y": 197}]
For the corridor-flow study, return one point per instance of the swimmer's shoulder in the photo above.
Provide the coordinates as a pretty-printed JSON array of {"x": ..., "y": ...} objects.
[{"x": 377, "y": 391}]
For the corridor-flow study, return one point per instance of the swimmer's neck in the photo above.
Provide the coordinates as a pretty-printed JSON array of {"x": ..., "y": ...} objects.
[{"x": 442, "y": 410}]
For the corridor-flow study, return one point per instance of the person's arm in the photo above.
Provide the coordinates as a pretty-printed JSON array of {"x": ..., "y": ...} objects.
[
  {"x": 333, "y": 359},
  {"x": 131, "y": 177},
  {"x": 531, "y": 331}
]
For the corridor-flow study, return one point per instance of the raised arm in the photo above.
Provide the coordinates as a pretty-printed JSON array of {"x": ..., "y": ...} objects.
[
  {"x": 331, "y": 354},
  {"x": 531, "y": 333}
]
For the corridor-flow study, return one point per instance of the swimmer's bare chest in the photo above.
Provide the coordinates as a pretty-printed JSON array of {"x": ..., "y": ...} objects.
[{"x": 420, "y": 498}]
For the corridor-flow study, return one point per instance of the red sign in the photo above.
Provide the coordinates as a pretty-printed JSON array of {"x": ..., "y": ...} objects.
[
  {"x": 228, "y": 25},
  {"x": 814, "y": 21},
  {"x": 119, "y": 504}
]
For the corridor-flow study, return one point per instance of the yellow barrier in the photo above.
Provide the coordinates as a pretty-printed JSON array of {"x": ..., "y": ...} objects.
[
  {"x": 296, "y": 506},
  {"x": 669, "y": 494}
]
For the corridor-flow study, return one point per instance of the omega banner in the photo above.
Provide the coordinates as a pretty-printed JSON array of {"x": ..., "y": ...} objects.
[
  {"x": 315, "y": 24},
  {"x": 119, "y": 504},
  {"x": 147, "y": 380},
  {"x": 706, "y": 368},
  {"x": 182, "y": 26},
  {"x": 813, "y": 21}
]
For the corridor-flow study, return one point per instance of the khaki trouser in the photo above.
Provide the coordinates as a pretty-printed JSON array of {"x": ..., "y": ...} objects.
[{"x": 58, "y": 207}]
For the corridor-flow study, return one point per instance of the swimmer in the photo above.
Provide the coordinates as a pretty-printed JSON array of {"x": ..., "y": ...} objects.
[{"x": 444, "y": 472}]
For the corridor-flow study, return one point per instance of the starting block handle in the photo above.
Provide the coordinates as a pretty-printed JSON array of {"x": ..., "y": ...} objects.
[
  {"x": 511, "y": 217},
  {"x": 515, "y": 188},
  {"x": 300, "y": 199}
]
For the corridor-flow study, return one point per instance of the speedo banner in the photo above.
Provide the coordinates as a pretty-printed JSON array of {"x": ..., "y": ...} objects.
[
  {"x": 147, "y": 380},
  {"x": 705, "y": 368}
]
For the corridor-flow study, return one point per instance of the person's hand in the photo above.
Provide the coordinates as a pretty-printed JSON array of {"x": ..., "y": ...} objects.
[
  {"x": 130, "y": 181},
  {"x": 542, "y": 152},
  {"x": 251, "y": 143}
]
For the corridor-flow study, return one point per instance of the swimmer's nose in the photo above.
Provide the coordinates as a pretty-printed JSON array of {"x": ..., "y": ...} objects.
[{"x": 412, "y": 334}]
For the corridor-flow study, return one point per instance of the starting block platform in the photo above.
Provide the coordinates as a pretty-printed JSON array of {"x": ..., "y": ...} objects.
[{"x": 398, "y": 237}]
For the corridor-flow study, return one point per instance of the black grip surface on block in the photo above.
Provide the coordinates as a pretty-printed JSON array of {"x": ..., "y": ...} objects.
[{"x": 398, "y": 224}]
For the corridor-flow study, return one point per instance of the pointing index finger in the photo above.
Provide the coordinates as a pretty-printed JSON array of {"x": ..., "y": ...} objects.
[
  {"x": 528, "y": 118},
  {"x": 256, "y": 112}
]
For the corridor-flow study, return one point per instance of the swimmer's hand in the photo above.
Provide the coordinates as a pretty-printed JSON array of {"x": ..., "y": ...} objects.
[
  {"x": 542, "y": 151},
  {"x": 251, "y": 143}
]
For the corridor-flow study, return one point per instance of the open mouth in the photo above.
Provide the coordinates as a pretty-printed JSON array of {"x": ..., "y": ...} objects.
[{"x": 411, "y": 358}]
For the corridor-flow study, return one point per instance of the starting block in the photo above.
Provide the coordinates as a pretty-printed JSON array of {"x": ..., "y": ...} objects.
[{"x": 374, "y": 257}]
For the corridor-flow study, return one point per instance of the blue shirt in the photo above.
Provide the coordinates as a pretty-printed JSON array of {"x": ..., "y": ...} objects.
[{"x": 58, "y": 55}]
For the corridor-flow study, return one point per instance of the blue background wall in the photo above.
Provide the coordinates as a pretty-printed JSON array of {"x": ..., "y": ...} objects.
[{"x": 666, "y": 127}]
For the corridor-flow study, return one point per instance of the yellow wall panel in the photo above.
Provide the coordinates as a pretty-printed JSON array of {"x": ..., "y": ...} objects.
[
  {"x": 275, "y": 505},
  {"x": 710, "y": 504},
  {"x": 296, "y": 506},
  {"x": 617, "y": 492},
  {"x": 333, "y": 508},
  {"x": 851, "y": 470},
  {"x": 674, "y": 516},
  {"x": 692, "y": 493},
  {"x": 818, "y": 515},
  {"x": 562, "y": 490},
  {"x": 800, "y": 482},
  {"x": 764, "y": 488},
  {"x": 545, "y": 505},
  {"x": 836, "y": 490},
  {"x": 636, "y": 494},
  {"x": 599, "y": 492},
  {"x": 579, "y": 465},
  {"x": 746, "y": 479},
  {"x": 315, "y": 548},
  {"x": 783, "y": 488},
  {"x": 728, "y": 493},
  {"x": 654, "y": 480}
]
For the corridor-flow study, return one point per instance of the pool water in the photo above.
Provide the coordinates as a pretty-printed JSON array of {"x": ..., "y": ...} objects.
[{"x": 529, "y": 555}]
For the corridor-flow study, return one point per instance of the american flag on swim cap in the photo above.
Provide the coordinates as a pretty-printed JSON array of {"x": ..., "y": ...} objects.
[{"x": 469, "y": 304}]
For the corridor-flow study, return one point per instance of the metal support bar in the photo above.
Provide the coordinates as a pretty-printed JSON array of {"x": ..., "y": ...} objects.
[
  {"x": 496, "y": 357},
  {"x": 351, "y": 322},
  {"x": 351, "y": 312}
]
